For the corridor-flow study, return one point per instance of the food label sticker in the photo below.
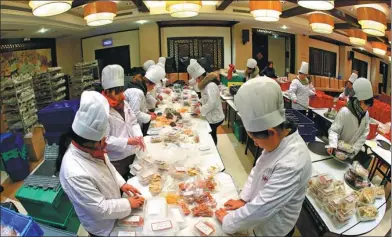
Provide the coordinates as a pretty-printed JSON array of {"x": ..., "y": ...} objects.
[
  {"x": 350, "y": 198},
  {"x": 177, "y": 215},
  {"x": 126, "y": 233},
  {"x": 205, "y": 229},
  {"x": 134, "y": 219},
  {"x": 188, "y": 193},
  {"x": 180, "y": 169},
  {"x": 137, "y": 167},
  {"x": 164, "y": 225}
]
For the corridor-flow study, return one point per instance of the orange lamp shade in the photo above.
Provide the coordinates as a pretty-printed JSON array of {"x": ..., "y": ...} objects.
[
  {"x": 100, "y": 13},
  {"x": 321, "y": 23},
  {"x": 357, "y": 37},
  {"x": 372, "y": 21},
  {"x": 265, "y": 10},
  {"x": 379, "y": 48}
]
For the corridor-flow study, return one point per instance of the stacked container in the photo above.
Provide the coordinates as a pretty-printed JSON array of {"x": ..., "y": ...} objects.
[{"x": 14, "y": 156}]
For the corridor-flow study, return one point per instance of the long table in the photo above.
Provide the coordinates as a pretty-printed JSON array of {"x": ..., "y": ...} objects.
[{"x": 226, "y": 190}]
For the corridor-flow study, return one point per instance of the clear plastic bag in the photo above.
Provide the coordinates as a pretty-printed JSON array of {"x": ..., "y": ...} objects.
[
  {"x": 366, "y": 197},
  {"x": 146, "y": 175},
  {"x": 379, "y": 191},
  {"x": 156, "y": 184},
  {"x": 359, "y": 170},
  {"x": 205, "y": 228},
  {"x": 161, "y": 227},
  {"x": 132, "y": 221},
  {"x": 343, "y": 146},
  {"x": 367, "y": 213},
  {"x": 178, "y": 215},
  {"x": 155, "y": 207}
]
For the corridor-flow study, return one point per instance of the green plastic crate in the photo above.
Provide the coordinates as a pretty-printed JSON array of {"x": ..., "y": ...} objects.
[
  {"x": 235, "y": 80},
  {"x": 10, "y": 155},
  {"x": 23, "y": 152},
  {"x": 238, "y": 128},
  {"x": 46, "y": 206}
]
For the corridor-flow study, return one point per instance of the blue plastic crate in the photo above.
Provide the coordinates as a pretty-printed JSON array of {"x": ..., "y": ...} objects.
[
  {"x": 17, "y": 169},
  {"x": 305, "y": 124},
  {"x": 51, "y": 231},
  {"x": 58, "y": 116},
  {"x": 10, "y": 141},
  {"x": 24, "y": 225}
]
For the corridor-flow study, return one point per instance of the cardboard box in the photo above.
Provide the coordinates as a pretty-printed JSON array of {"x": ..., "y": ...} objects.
[
  {"x": 183, "y": 76},
  {"x": 317, "y": 82},
  {"x": 341, "y": 84},
  {"x": 35, "y": 143}
]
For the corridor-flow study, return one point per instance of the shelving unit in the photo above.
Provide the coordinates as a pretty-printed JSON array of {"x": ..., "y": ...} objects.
[
  {"x": 83, "y": 78},
  {"x": 18, "y": 99},
  {"x": 49, "y": 87}
]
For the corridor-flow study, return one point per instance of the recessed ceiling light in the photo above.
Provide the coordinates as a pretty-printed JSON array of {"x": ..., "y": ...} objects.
[
  {"x": 284, "y": 27},
  {"x": 141, "y": 21},
  {"x": 42, "y": 30}
]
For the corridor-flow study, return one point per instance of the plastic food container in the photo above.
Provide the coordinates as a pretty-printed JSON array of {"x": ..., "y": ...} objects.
[
  {"x": 146, "y": 175},
  {"x": 126, "y": 231},
  {"x": 178, "y": 172},
  {"x": 366, "y": 197},
  {"x": 347, "y": 204},
  {"x": 132, "y": 221},
  {"x": 177, "y": 214},
  {"x": 379, "y": 192},
  {"x": 367, "y": 213},
  {"x": 161, "y": 227},
  {"x": 332, "y": 205},
  {"x": 135, "y": 169},
  {"x": 359, "y": 170},
  {"x": 324, "y": 180},
  {"x": 156, "y": 184},
  {"x": 339, "y": 187},
  {"x": 155, "y": 207}
]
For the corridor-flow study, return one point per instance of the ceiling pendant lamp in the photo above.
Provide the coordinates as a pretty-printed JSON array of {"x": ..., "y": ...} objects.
[
  {"x": 183, "y": 9},
  {"x": 317, "y": 5},
  {"x": 100, "y": 13},
  {"x": 265, "y": 10},
  {"x": 357, "y": 37},
  {"x": 321, "y": 23},
  {"x": 49, "y": 8},
  {"x": 388, "y": 34},
  {"x": 379, "y": 48},
  {"x": 372, "y": 21},
  {"x": 153, "y": 4},
  {"x": 209, "y": 3}
]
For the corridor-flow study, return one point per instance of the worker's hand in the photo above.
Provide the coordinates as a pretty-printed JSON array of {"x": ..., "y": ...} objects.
[
  {"x": 234, "y": 204},
  {"x": 129, "y": 190},
  {"x": 153, "y": 116},
  {"x": 159, "y": 97},
  {"x": 220, "y": 214},
  {"x": 330, "y": 150},
  {"x": 136, "y": 201},
  {"x": 197, "y": 111}
]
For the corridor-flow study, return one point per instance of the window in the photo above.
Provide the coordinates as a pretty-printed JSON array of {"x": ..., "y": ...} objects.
[
  {"x": 361, "y": 67},
  {"x": 322, "y": 62}
]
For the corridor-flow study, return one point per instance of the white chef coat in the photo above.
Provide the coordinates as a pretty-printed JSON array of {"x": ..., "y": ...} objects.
[
  {"x": 274, "y": 191},
  {"x": 93, "y": 187},
  {"x": 119, "y": 131},
  {"x": 151, "y": 101},
  {"x": 211, "y": 104},
  {"x": 300, "y": 93},
  {"x": 345, "y": 127},
  {"x": 193, "y": 82},
  {"x": 136, "y": 99}
]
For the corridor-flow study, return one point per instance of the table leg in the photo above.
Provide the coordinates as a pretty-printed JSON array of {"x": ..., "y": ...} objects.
[
  {"x": 226, "y": 110},
  {"x": 228, "y": 119},
  {"x": 373, "y": 167}
]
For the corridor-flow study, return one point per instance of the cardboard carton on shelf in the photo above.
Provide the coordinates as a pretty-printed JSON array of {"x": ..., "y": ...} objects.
[
  {"x": 341, "y": 84},
  {"x": 35, "y": 143}
]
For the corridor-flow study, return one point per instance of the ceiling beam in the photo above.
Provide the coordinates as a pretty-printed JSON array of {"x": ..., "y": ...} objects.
[
  {"x": 352, "y": 21},
  {"x": 295, "y": 11},
  {"x": 224, "y": 5},
  {"x": 78, "y": 3},
  {"x": 141, "y": 6},
  {"x": 345, "y": 3}
]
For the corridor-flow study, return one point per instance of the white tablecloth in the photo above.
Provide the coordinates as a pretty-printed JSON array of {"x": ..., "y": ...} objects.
[{"x": 382, "y": 153}]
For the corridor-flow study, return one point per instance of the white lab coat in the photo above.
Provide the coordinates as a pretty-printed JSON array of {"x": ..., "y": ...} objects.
[
  {"x": 345, "y": 127},
  {"x": 119, "y": 131},
  {"x": 93, "y": 187},
  {"x": 137, "y": 101},
  {"x": 211, "y": 104},
  {"x": 300, "y": 93},
  {"x": 274, "y": 191}
]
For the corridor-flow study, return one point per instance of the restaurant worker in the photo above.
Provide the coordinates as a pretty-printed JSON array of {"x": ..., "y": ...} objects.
[
  {"x": 351, "y": 124},
  {"x": 210, "y": 97},
  {"x": 301, "y": 89},
  {"x": 147, "y": 64},
  {"x": 136, "y": 96},
  {"x": 88, "y": 177},
  {"x": 124, "y": 135},
  {"x": 153, "y": 97},
  {"x": 193, "y": 81},
  {"x": 271, "y": 201},
  {"x": 252, "y": 70},
  {"x": 348, "y": 89}
]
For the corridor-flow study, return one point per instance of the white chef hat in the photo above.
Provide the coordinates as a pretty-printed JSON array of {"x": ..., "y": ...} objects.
[
  {"x": 353, "y": 78},
  {"x": 91, "y": 120},
  {"x": 304, "y": 68},
  {"x": 251, "y": 63},
  {"x": 259, "y": 116},
  {"x": 155, "y": 73},
  {"x": 162, "y": 60},
  {"x": 192, "y": 61},
  {"x": 363, "y": 89},
  {"x": 148, "y": 64},
  {"x": 195, "y": 70},
  {"x": 112, "y": 76}
]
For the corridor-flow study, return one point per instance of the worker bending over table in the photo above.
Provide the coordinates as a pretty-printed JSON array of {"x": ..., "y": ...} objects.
[
  {"x": 124, "y": 133},
  {"x": 351, "y": 124},
  {"x": 301, "y": 89},
  {"x": 272, "y": 198},
  {"x": 210, "y": 97},
  {"x": 252, "y": 70},
  {"x": 88, "y": 177}
]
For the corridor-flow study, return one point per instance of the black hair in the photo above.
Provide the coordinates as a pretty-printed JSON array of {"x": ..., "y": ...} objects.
[
  {"x": 369, "y": 102},
  {"x": 116, "y": 90},
  {"x": 65, "y": 141},
  {"x": 265, "y": 134},
  {"x": 270, "y": 62},
  {"x": 204, "y": 74}
]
